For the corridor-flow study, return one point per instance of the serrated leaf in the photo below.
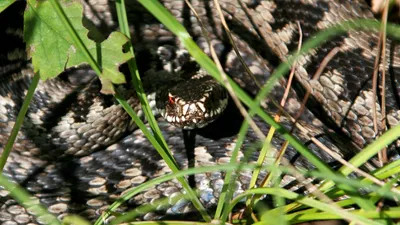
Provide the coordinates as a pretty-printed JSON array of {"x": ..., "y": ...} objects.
[
  {"x": 4, "y": 4},
  {"x": 53, "y": 50}
]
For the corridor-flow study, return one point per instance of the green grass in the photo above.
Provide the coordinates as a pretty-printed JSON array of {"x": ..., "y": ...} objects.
[{"x": 304, "y": 208}]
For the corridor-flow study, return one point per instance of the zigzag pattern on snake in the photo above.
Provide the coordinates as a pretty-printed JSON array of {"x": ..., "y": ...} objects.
[{"x": 103, "y": 154}]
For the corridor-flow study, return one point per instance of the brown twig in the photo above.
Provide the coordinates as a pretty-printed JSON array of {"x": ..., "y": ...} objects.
[
  {"x": 310, "y": 187},
  {"x": 380, "y": 58},
  {"x": 281, "y": 152},
  {"x": 233, "y": 43},
  {"x": 383, "y": 82}
]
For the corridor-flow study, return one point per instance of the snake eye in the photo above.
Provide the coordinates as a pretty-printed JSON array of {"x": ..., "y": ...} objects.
[{"x": 171, "y": 99}]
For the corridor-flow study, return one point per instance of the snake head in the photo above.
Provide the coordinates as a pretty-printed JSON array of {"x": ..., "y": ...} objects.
[{"x": 192, "y": 103}]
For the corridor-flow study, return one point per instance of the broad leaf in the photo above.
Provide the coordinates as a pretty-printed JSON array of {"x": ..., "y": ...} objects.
[
  {"x": 53, "y": 50},
  {"x": 4, "y": 4}
]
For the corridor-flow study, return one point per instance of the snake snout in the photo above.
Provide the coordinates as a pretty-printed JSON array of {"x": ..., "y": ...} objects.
[{"x": 193, "y": 103}]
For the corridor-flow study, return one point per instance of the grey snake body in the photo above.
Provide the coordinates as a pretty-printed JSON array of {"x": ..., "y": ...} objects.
[{"x": 99, "y": 166}]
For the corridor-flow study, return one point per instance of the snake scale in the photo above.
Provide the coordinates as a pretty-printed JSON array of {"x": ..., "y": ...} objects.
[{"x": 103, "y": 154}]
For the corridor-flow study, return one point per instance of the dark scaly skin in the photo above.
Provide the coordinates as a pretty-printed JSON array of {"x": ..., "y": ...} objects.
[
  {"x": 87, "y": 185},
  {"x": 347, "y": 77}
]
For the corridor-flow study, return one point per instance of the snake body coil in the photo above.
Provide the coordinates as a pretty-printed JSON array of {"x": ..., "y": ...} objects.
[{"x": 78, "y": 151}]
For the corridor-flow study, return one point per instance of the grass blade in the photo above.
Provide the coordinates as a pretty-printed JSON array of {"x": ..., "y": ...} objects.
[{"x": 19, "y": 121}]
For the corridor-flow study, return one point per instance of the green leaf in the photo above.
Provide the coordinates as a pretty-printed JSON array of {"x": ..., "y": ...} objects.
[
  {"x": 4, "y": 4},
  {"x": 53, "y": 50}
]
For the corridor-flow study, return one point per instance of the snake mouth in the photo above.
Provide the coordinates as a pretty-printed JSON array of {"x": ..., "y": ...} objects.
[{"x": 193, "y": 103}]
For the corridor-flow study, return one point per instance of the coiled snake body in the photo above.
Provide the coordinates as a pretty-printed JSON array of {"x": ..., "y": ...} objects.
[{"x": 77, "y": 152}]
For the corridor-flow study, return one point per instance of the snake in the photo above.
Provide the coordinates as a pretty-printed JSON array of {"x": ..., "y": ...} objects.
[{"x": 78, "y": 150}]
